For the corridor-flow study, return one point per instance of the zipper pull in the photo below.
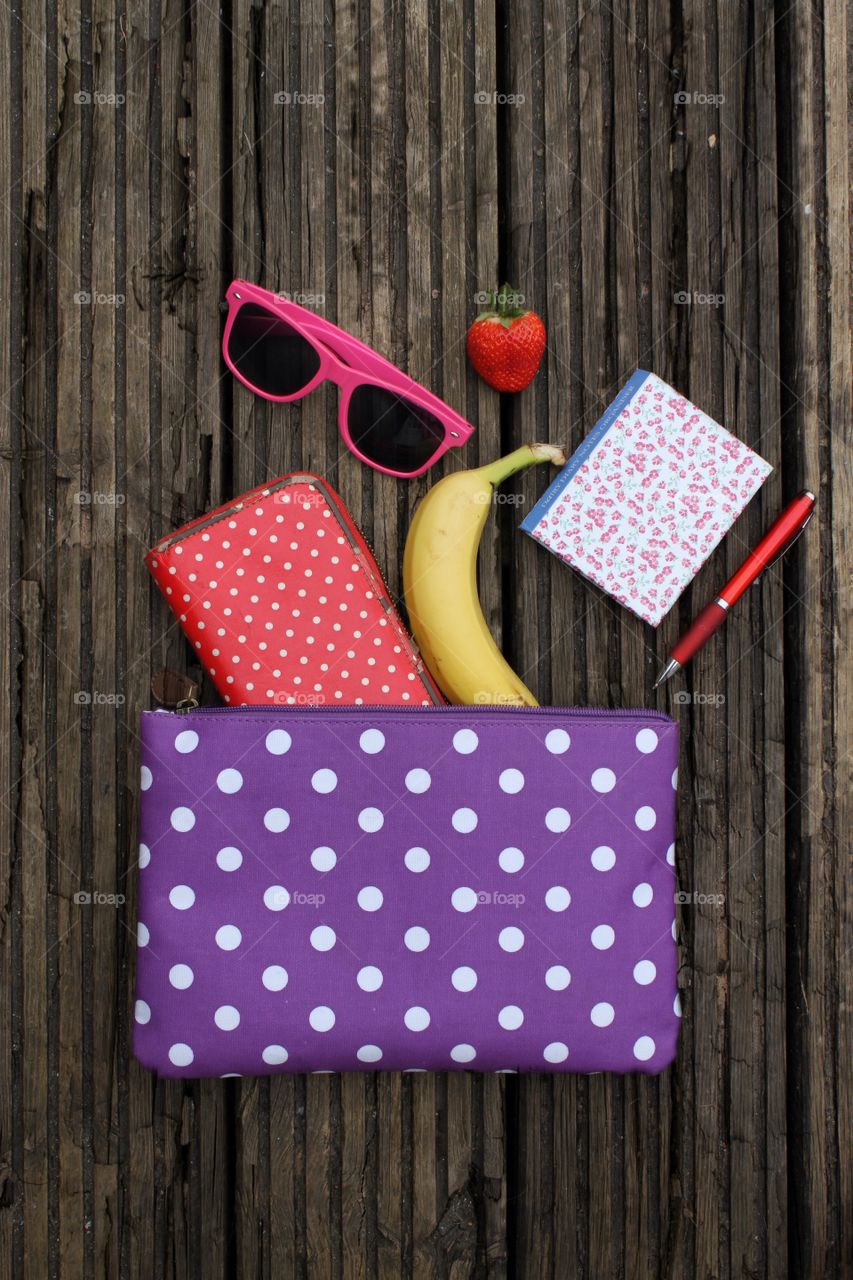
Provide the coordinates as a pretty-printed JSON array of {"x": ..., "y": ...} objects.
[
  {"x": 173, "y": 690},
  {"x": 185, "y": 705}
]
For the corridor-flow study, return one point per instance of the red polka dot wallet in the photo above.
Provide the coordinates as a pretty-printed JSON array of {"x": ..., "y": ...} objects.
[{"x": 283, "y": 601}]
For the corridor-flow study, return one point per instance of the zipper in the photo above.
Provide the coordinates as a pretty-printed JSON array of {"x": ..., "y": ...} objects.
[{"x": 190, "y": 705}]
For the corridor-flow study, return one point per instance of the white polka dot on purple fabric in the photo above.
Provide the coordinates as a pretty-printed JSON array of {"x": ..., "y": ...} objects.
[
  {"x": 323, "y": 938},
  {"x": 464, "y": 978},
  {"x": 228, "y": 937},
  {"x": 558, "y": 977},
  {"x": 276, "y": 820},
  {"x": 645, "y": 817},
  {"x": 511, "y": 781},
  {"x": 556, "y": 1051},
  {"x": 557, "y": 741},
  {"x": 463, "y": 899},
  {"x": 371, "y": 819},
  {"x": 369, "y": 978},
  {"x": 558, "y": 819},
  {"x": 464, "y": 820},
  {"x": 417, "y": 859},
  {"x": 229, "y": 859},
  {"x": 416, "y": 938},
  {"x": 370, "y": 898},
  {"x": 324, "y": 781},
  {"x": 274, "y": 977},
  {"x": 644, "y": 972},
  {"x": 322, "y": 1018},
  {"x": 181, "y": 976},
  {"x": 642, "y": 895},
  {"x": 557, "y": 898},
  {"x": 182, "y": 818},
  {"x": 511, "y": 939},
  {"x": 602, "y": 1014},
  {"x": 278, "y": 742},
  {"x": 418, "y": 781},
  {"x": 644, "y": 1048},
  {"x": 510, "y": 860},
  {"x": 511, "y": 1017},
  {"x": 646, "y": 741}
]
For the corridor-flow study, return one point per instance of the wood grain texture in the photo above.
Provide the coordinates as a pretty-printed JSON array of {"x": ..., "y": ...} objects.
[{"x": 668, "y": 183}]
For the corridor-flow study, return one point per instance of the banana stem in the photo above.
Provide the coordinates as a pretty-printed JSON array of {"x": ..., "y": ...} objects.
[{"x": 527, "y": 456}]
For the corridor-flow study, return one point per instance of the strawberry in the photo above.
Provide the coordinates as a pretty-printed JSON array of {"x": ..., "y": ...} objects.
[{"x": 506, "y": 341}]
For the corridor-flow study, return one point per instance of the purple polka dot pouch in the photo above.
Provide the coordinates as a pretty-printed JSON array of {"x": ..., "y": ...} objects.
[{"x": 406, "y": 889}]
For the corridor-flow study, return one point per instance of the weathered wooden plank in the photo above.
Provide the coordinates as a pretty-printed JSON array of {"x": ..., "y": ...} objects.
[
  {"x": 101, "y": 923},
  {"x": 814, "y": 172},
  {"x": 137, "y": 432},
  {"x": 68, "y": 670},
  {"x": 754, "y": 896},
  {"x": 11, "y": 933},
  {"x": 704, "y": 852},
  {"x": 839, "y": 379},
  {"x": 30, "y": 908},
  {"x": 635, "y": 153}
]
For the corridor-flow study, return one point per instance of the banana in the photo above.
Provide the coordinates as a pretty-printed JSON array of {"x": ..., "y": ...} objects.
[{"x": 440, "y": 583}]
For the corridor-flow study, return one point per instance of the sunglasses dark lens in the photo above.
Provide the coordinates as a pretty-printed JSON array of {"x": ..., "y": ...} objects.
[
  {"x": 269, "y": 353},
  {"x": 391, "y": 431}
]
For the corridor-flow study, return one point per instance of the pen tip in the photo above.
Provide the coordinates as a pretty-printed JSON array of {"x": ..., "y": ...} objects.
[{"x": 669, "y": 670}]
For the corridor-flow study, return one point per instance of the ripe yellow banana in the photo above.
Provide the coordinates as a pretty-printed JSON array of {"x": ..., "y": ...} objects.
[{"x": 440, "y": 583}]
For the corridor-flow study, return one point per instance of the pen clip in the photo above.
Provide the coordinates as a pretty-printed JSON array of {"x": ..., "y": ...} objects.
[
  {"x": 787, "y": 547},
  {"x": 790, "y": 542}
]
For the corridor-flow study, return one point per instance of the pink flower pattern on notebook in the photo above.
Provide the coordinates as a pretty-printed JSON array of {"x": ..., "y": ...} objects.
[{"x": 647, "y": 506}]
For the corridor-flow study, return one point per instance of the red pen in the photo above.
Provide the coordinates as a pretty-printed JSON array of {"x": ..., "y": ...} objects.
[{"x": 778, "y": 538}]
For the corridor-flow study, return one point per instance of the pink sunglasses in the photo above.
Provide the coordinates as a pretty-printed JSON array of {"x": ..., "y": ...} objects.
[{"x": 281, "y": 352}]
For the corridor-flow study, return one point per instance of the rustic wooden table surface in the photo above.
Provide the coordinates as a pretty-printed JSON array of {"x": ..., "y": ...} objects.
[{"x": 668, "y": 183}]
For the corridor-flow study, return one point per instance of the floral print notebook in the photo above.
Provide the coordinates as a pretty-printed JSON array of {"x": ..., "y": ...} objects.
[{"x": 643, "y": 502}]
